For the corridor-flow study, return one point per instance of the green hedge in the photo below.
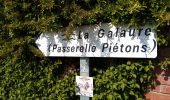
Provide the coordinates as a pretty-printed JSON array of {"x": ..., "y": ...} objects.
[
  {"x": 26, "y": 74},
  {"x": 35, "y": 80}
]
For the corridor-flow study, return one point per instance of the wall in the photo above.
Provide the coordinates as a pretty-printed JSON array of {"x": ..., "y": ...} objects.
[{"x": 162, "y": 89}]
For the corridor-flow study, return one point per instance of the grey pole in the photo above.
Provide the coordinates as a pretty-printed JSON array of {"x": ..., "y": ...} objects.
[{"x": 84, "y": 71}]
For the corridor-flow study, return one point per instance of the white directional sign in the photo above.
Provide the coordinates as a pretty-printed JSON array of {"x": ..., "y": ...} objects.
[{"x": 104, "y": 40}]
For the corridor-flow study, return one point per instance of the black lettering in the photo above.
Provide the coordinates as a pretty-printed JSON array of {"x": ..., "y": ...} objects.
[
  {"x": 59, "y": 49},
  {"x": 132, "y": 32},
  {"x": 81, "y": 48},
  {"x": 72, "y": 49},
  {"x": 144, "y": 48},
  {"x": 49, "y": 48},
  {"x": 93, "y": 48},
  {"x": 154, "y": 45},
  {"x": 86, "y": 48},
  {"x": 147, "y": 31},
  {"x": 68, "y": 49},
  {"x": 79, "y": 36},
  {"x": 105, "y": 45},
  {"x": 117, "y": 30},
  {"x": 89, "y": 48},
  {"x": 121, "y": 47},
  {"x": 86, "y": 35},
  {"x": 115, "y": 48},
  {"x": 101, "y": 33},
  {"x": 128, "y": 48},
  {"x": 123, "y": 33},
  {"x": 77, "y": 48},
  {"x": 140, "y": 30},
  {"x": 110, "y": 33},
  {"x": 54, "y": 47},
  {"x": 64, "y": 49},
  {"x": 136, "y": 48},
  {"x": 110, "y": 47}
]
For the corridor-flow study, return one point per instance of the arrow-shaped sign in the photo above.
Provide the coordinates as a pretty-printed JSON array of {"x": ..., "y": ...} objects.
[{"x": 104, "y": 40}]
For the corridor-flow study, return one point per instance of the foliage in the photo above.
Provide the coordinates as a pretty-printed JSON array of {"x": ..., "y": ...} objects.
[
  {"x": 26, "y": 74},
  {"x": 124, "y": 81},
  {"x": 34, "y": 80}
]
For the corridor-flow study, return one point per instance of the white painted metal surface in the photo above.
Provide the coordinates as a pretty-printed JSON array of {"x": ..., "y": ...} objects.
[{"x": 104, "y": 40}]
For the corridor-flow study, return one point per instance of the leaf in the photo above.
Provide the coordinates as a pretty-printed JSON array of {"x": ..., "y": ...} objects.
[{"x": 110, "y": 97}]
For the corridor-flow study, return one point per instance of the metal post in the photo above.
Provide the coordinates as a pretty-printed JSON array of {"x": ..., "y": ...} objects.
[{"x": 84, "y": 71}]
